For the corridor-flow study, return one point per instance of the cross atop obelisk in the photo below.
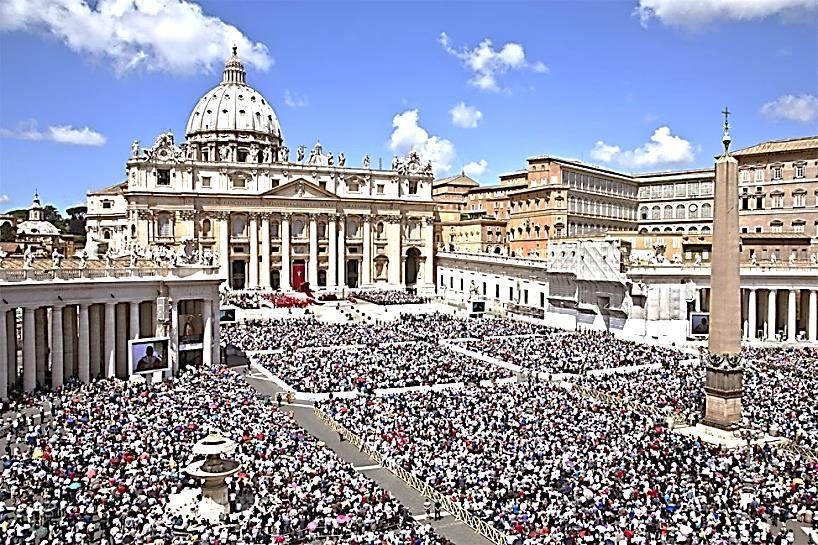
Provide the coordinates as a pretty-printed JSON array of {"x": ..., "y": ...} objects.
[{"x": 725, "y": 376}]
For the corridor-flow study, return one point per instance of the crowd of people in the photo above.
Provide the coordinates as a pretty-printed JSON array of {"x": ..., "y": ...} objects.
[
  {"x": 241, "y": 299},
  {"x": 435, "y": 326},
  {"x": 100, "y": 462},
  {"x": 555, "y": 351},
  {"x": 389, "y": 297},
  {"x": 280, "y": 300},
  {"x": 363, "y": 369},
  {"x": 546, "y": 465}
]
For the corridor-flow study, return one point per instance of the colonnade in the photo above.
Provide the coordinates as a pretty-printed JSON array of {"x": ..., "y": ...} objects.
[{"x": 786, "y": 314}]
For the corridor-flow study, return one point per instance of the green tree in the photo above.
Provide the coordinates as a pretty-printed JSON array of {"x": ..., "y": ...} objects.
[
  {"x": 7, "y": 233},
  {"x": 76, "y": 219}
]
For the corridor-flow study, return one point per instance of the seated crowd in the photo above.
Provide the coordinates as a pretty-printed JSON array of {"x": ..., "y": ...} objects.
[
  {"x": 387, "y": 366},
  {"x": 241, "y": 299},
  {"x": 103, "y": 466},
  {"x": 546, "y": 466},
  {"x": 435, "y": 326},
  {"x": 389, "y": 297},
  {"x": 555, "y": 351}
]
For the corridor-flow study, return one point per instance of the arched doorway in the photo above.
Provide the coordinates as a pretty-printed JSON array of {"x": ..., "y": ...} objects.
[{"x": 412, "y": 266}]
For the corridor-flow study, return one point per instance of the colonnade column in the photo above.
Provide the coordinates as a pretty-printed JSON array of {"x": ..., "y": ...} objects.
[
  {"x": 429, "y": 251},
  {"x": 133, "y": 320},
  {"x": 285, "y": 252},
  {"x": 83, "y": 352},
  {"x": 4, "y": 369},
  {"x": 94, "y": 351},
  {"x": 253, "y": 250},
  {"x": 69, "y": 327},
  {"x": 41, "y": 318},
  {"x": 57, "y": 378},
  {"x": 366, "y": 272},
  {"x": 121, "y": 341},
  {"x": 11, "y": 346},
  {"x": 224, "y": 247},
  {"x": 332, "y": 263},
  {"x": 812, "y": 329},
  {"x": 207, "y": 333},
  {"x": 792, "y": 324},
  {"x": 110, "y": 340},
  {"x": 312, "y": 272},
  {"x": 29, "y": 346},
  {"x": 342, "y": 264},
  {"x": 771, "y": 312},
  {"x": 395, "y": 262},
  {"x": 751, "y": 314},
  {"x": 265, "y": 250}
]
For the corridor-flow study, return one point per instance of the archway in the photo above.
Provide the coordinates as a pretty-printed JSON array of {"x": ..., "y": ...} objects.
[{"x": 412, "y": 266}]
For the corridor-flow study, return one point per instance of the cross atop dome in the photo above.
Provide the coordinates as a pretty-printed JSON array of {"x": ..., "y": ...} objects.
[{"x": 233, "y": 69}]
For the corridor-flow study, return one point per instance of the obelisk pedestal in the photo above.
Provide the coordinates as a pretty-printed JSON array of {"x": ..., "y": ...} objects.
[{"x": 724, "y": 384}]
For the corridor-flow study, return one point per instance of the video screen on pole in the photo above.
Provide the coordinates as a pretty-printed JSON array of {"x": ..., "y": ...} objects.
[
  {"x": 148, "y": 355},
  {"x": 699, "y": 323},
  {"x": 190, "y": 329},
  {"x": 227, "y": 315},
  {"x": 478, "y": 306}
]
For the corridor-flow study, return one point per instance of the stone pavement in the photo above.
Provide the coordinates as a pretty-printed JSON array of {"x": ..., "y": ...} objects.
[{"x": 450, "y": 527}]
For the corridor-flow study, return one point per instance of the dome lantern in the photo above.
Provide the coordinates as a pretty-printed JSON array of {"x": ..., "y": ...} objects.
[{"x": 233, "y": 69}]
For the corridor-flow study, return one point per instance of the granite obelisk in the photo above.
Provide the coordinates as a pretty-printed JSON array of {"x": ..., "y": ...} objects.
[{"x": 725, "y": 372}]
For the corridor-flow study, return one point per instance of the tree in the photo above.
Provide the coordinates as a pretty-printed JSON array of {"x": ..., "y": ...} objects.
[
  {"x": 7, "y": 233},
  {"x": 76, "y": 219}
]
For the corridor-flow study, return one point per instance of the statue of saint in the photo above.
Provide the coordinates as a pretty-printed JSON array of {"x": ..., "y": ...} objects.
[
  {"x": 341, "y": 159},
  {"x": 395, "y": 162},
  {"x": 299, "y": 152},
  {"x": 366, "y": 161},
  {"x": 28, "y": 258},
  {"x": 252, "y": 155},
  {"x": 330, "y": 159},
  {"x": 224, "y": 153},
  {"x": 56, "y": 258},
  {"x": 109, "y": 258},
  {"x": 267, "y": 155},
  {"x": 135, "y": 149},
  {"x": 83, "y": 259},
  {"x": 285, "y": 154}
]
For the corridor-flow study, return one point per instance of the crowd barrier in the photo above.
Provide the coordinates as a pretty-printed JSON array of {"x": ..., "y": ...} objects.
[{"x": 425, "y": 489}]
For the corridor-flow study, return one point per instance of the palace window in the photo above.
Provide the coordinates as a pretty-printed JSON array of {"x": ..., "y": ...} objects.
[
  {"x": 759, "y": 175},
  {"x": 777, "y": 173},
  {"x": 680, "y": 212},
  {"x": 745, "y": 175},
  {"x": 799, "y": 171},
  {"x": 778, "y": 200},
  {"x": 107, "y": 205},
  {"x": 799, "y": 226},
  {"x": 799, "y": 198},
  {"x": 776, "y": 226},
  {"x": 707, "y": 210}
]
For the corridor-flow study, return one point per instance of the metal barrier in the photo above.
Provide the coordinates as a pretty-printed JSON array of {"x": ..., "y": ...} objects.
[{"x": 478, "y": 525}]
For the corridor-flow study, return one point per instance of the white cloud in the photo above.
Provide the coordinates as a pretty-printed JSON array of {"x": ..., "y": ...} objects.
[
  {"x": 663, "y": 149},
  {"x": 465, "y": 116},
  {"x": 486, "y": 63},
  {"x": 294, "y": 100},
  {"x": 63, "y": 134},
  {"x": 407, "y": 136},
  {"x": 158, "y": 35},
  {"x": 475, "y": 168},
  {"x": 802, "y": 108},
  {"x": 695, "y": 13},
  {"x": 4, "y": 199}
]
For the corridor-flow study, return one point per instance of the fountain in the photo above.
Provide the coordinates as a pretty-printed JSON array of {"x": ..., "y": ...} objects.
[{"x": 214, "y": 469}]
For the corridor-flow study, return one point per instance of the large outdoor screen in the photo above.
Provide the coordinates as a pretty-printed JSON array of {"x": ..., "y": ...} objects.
[
  {"x": 699, "y": 323},
  {"x": 190, "y": 329},
  {"x": 148, "y": 355}
]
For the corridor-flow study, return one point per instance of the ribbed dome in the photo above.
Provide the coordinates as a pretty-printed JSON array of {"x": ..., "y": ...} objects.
[{"x": 233, "y": 106}]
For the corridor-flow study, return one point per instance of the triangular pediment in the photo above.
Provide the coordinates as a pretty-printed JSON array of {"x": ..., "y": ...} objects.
[{"x": 300, "y": 189}]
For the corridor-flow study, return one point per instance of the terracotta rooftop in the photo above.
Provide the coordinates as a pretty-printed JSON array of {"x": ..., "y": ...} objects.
[
  {"x": 115, "y": 189},
  {"x": 778, "y": 146}
]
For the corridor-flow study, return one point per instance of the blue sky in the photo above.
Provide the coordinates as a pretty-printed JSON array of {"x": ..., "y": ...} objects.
[{"x": 589, "y": 80}]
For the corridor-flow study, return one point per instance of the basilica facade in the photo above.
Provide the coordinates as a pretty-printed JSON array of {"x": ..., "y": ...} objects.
[{"x": 233, "y": 193}]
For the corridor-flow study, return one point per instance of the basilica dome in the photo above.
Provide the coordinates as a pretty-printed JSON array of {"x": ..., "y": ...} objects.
[{"x": 233, "y": 106}]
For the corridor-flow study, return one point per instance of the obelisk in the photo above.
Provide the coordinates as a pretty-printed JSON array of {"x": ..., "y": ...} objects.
[{"x": 725, "y": 372}]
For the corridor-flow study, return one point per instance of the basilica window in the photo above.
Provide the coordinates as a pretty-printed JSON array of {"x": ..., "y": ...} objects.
[
  {"x": 274, "y": 226},
  {"x": 379, "y": 230},
  {"x": 643, "y": 212},
  {"x": 413, "y": 187},
  {"x": 106, "y": 234},
  {"x": 352, "y": 228},
  {"x": 353, "y": 186},
  {"x": 668, "y": 212},
  {"x": 298, "y": 228},
  {"x": 206, "y": 228},
  {"x": 164, "y": 225},
  {"x": 655, "y": 213},
  {"x": 239, "y": 182},
  {"x": 238, "y": 227},
  {"x": 205, "y": 181},
  {"x": 707, "y": 210},
  {"x": 680, "y": 212},
  {"x": 162, "y": 177},
  {"x": 322, "y": 230}
]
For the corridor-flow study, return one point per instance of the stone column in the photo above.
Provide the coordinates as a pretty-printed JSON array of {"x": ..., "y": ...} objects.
[
  {"x": 429, "y": 252},
  {"x": 751, "y": 314},
  {"x": 11, "y": 346},
  {"x": 265, "y": 250},
  {"x": 285, "y": 252},
  {"x": 253, "y": 265},
  {"x": 812, "y": 329},
  {"x": 133, "y": 320},
  {"x": 110, "y": 339},
  {"x": 207, "y": 333},
  {"x": 393, "y": 237},
  {"x": 56, "y": 347},
  {"x": 342, "y": 262},
  {"x": 332, "y": 262},
  {"x": 29, "y": 347},
  {"x": 792, "y": 323},
  {"x": 771, "y": 313},
  {"x": 697, "y": 306},
  {"x": 224, "y": 247},
  {"x": 41, "y": 319},
  {"x": 216, "y": 346},
  {"x": 312, "y": 271},
  {"x": 366, "y": 263},
  {"x": 94, "y": 351},
  {"x": 84, "y": 354},
  {"x": 4, "y": 369},
  {"x": 121, "y": 341},
  {"x": 69, "y": 328}
]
